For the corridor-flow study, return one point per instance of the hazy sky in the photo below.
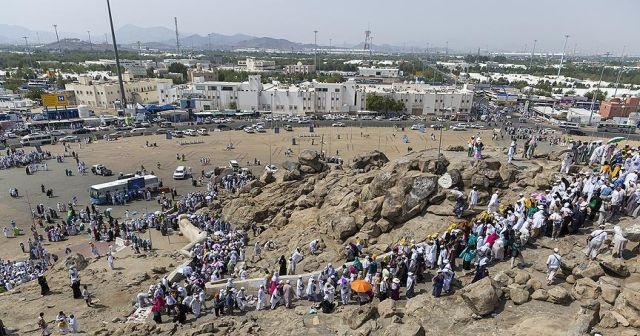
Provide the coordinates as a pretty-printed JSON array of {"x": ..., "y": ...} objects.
[{"x": 594, "y": 25}]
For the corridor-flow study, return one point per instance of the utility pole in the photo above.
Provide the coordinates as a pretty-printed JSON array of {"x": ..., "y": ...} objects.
[
  {"x": 315, "y": 43},
  {"x": 90, "y": 43},
  {"x": 55, "y": 27},
  {"x": 595, "y": 94},
  {"x": 123, "y": 97},
  {"x": 615, "y": 92},
  {"x": 566, "y": 37},
  {"x": 26, "y": 43},
  {"x": 175, "y": 20},
  {"x": 533, "y": 52}
]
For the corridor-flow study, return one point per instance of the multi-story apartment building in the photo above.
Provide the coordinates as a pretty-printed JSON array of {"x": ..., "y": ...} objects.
[
  {"x": 95, "y": 93},
  {"x": 299, "y": 68},
  {"x": 317, "y": 98}
]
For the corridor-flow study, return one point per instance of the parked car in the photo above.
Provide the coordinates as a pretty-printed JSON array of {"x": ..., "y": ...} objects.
[
  {"x": 81, "y": 131},
  {"x": 180, "y": 173},
  {"x": 69, "y": 138},
  {"x": 576, "y": 132},
  {"x": 338, "y": 124},
  {"x": 100, "y": 169},
  {"x": 57, "y": 133}
]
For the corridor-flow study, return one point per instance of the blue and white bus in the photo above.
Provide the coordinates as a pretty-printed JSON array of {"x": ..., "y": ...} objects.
[{"x": 100, "y": 194}]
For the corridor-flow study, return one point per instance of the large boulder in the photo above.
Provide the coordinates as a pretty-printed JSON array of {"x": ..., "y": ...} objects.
[
  {"x": 585, "y": 288},
  {"x": 290, "y": 165},
  {"x": 593, "y": 271},
  {"x": 409, "y": 328},
  {"x": 344, "y": 227},
  {"x": 370, "y": 160},
  {"x": 540, "y": 295},
  {"x": 355, "y": 316},
  {"x": 456, "y": 178},
  {"x": 587, "y": 317},
  {"x": 558, "y": 295},
  {"x": 616, "y": 266},
  {"x": 408, "y": 197},
  {"x": 310, "y": 158},
  {"x": 387, "y": 308},
  {"x": 519, "y": 295},
  {"x": 267, "y": 177},
  {"x": 609, "y": 293},
  {"x": 628, "y": 304},
  {"x": 482, "y": 296}
]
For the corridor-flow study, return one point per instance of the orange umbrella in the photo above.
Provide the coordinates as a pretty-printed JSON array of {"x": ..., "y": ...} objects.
[{"x": 361, "y": 286}]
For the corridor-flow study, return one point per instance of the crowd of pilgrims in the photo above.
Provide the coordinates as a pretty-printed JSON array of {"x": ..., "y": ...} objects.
[
  {"x": 15, "y": 273},
  {"x": 502, "y": 233},
  {"x": 16, "y": 158}
]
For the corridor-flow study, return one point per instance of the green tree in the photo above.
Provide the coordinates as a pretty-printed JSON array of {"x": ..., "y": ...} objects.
[
  {"x": 383, "y": 104},
  {"x": 233, "y": 105},
  {"x": 178, "y": 68},
  {"x": 34, "y": 93},
  {"x": 151, "y": 73},
  {"x": 600, "y": 95}
]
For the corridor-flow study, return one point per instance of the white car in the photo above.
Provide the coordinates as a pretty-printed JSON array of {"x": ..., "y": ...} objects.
[
  {"x": 180, "y": 173},
  {"x": 271, "y": 168},
  {"x": 10, "y": 135},
  {"x": 69, "y": 138},
  {"x": 395, "y": 119},
  {"x": 190, "y": 132},
  {"x": 203, "y": 131},
  {"x": 260, "y": 129},
  {"x": 417, "y": 127},
  {"x": 458, "y": 128},
  {"x": 337, "y": 124},
  {"x": 57, "y": 133},
  {"x": 177, "y": 134},
  {"x": 249, "y": 130}
]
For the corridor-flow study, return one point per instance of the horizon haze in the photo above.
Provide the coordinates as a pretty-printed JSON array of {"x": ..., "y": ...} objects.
[{"x": 465, "y": 26}]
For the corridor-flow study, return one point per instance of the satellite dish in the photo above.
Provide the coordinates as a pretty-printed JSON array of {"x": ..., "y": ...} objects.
[{"x": 445, "y": 181}]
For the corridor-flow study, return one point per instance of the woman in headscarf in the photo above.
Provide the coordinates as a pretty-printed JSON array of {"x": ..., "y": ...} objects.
[{"x": 283, "y": 265}]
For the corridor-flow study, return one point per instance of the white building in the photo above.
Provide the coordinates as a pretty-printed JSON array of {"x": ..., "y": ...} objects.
[
  {"x": 104, "y": 93},
  {"x": 379, "y": 72},
  {"x": 299, "y": 68},
  {"x": 254, "y": 65},
  {"x": 316, "y": 98},
  {"x": 424, "y": 99}
]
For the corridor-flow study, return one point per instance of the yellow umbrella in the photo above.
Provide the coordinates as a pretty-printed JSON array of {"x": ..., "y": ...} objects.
[{"x": 361, "y": 286}]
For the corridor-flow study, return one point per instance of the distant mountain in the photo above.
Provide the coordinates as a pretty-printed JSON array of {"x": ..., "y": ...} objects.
[
  {"x": 162, "y": 38},
  {"x": 12, "y": 34},
  {"x": 76, "y": 44},
  {"x": 132, "y": 34}
]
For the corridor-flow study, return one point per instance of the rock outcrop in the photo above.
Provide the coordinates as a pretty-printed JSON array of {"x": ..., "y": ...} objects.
[{"x": 482, "y": 296}]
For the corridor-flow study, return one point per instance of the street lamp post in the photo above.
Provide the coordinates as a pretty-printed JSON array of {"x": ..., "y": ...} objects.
[
  {"x": 55, "y": 27},
  {"x": 315, "y": 48},
  {"x": 115, "y": 49},
  {"x": 566, "y": 37},
  {"x": 533, "y": 52},
  {"x": 90, "y": 43},
  {"x": 26, "y": 43},
  {"x": 595, "y": 94}
]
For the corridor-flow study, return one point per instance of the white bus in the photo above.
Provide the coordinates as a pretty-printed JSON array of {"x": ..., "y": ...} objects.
[
  {"x": 99, "y": 193},
  {"x": 569, "y": 125},
  {"x": 616, "y": 128},
  {"x": 36, "y": 139}
]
